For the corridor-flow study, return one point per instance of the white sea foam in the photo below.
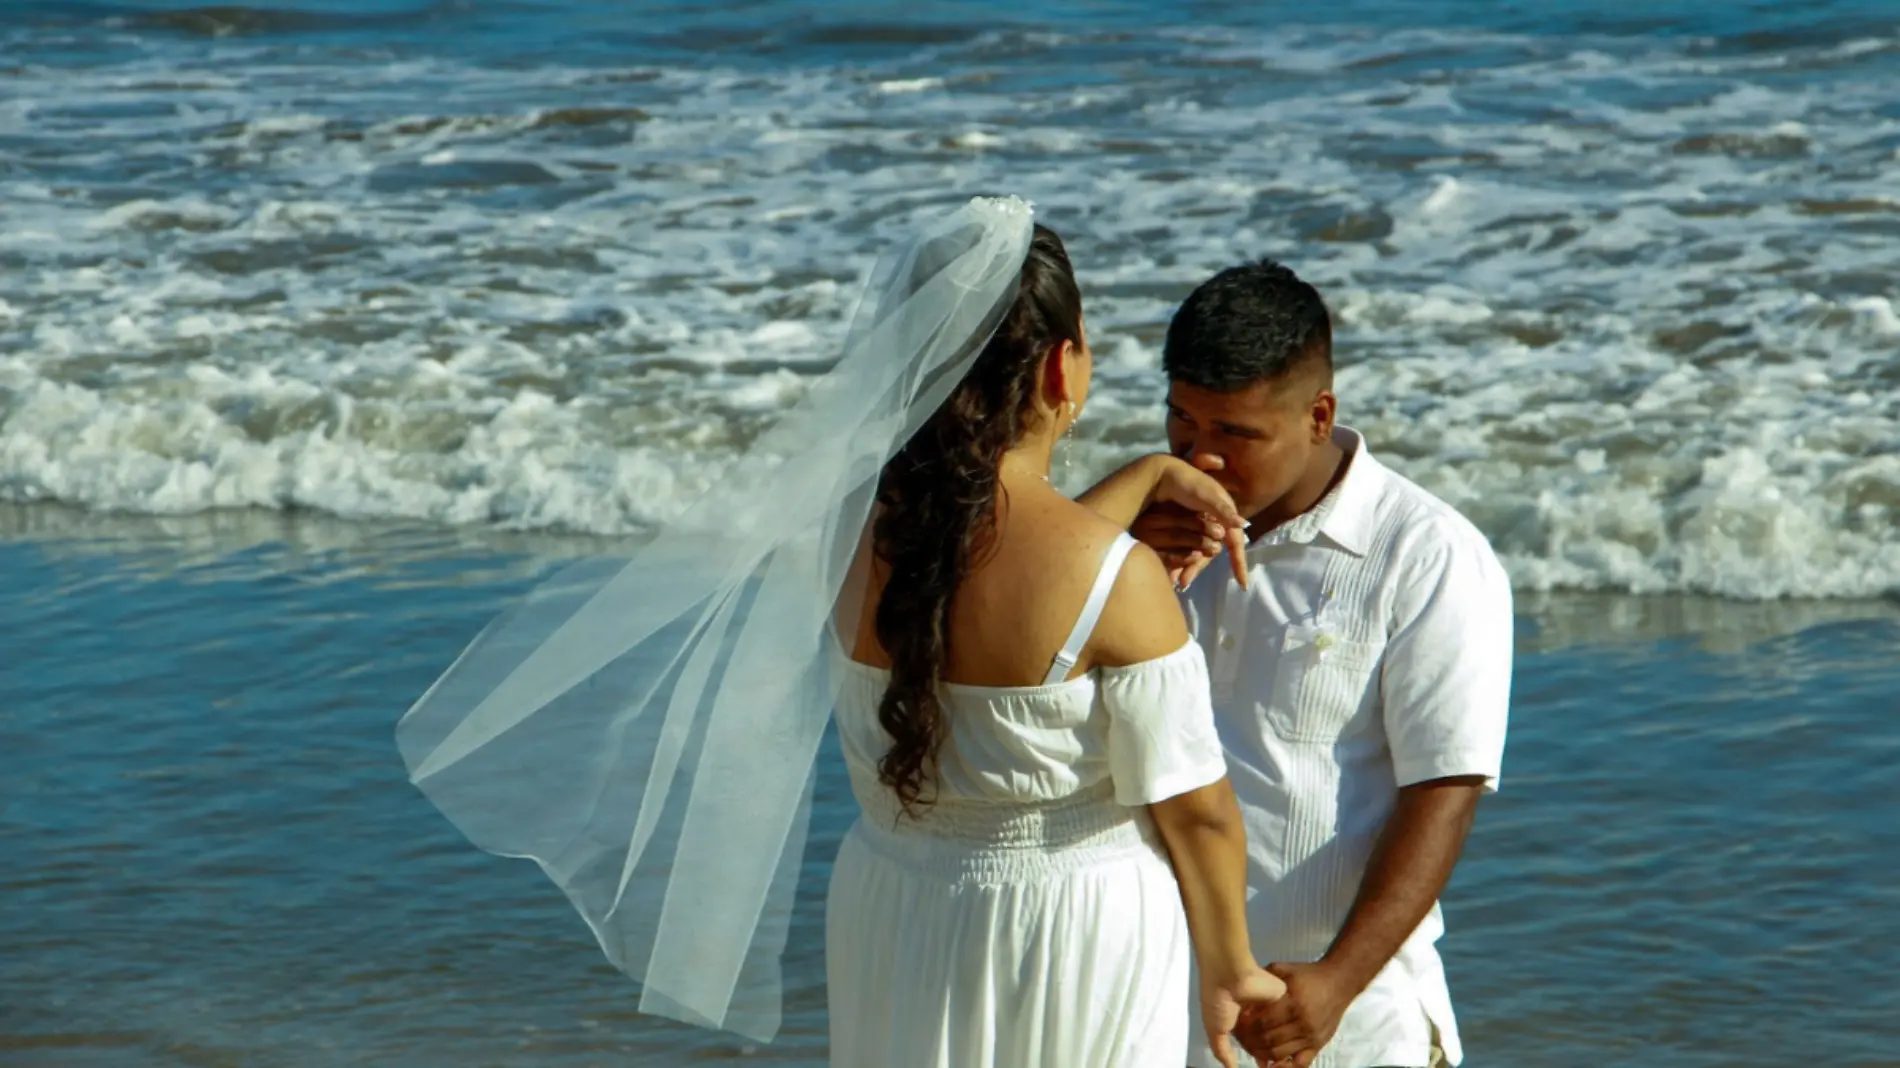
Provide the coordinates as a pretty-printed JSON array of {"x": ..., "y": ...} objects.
[
  {"x": 909, "y": 85},
  {"x": 1628, "y": 304}
]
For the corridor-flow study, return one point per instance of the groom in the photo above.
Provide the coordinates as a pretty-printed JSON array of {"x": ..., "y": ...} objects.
[{"x": 1361, "y": 679}]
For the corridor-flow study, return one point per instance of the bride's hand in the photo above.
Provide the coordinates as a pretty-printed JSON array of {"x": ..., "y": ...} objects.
[
  {"x": 1190, "y": 518},
  {"x": 1223, "y": 1002}
]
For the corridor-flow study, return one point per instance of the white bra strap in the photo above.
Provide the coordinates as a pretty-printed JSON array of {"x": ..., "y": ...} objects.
[{"x": 1091, "y": 612}]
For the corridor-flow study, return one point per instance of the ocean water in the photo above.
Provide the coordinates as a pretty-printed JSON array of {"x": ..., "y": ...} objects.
[
  {"x": 1619, "y": 286},
  {"x": 325, "y": 329}
]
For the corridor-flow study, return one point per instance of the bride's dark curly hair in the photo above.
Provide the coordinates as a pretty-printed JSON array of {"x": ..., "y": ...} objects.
[{"x": 939, "y": 499}]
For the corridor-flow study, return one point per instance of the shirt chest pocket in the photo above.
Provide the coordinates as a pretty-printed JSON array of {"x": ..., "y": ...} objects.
[{"x": 1320, "y": 682}]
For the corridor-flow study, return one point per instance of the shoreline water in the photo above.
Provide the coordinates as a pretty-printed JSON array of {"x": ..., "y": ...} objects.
[
  {"x": 249, "y": 541},
  {"x": 217, "y": 858}
]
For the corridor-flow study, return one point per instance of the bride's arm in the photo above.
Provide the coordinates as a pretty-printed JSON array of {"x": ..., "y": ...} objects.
[
  {"x": 1208, "y": 848},
  {"x": 1123, "y": 496},
  {"x": 1167, "y": 728}
]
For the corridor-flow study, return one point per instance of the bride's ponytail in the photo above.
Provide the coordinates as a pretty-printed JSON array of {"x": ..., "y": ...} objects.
[{"x": 938, "y": 499}]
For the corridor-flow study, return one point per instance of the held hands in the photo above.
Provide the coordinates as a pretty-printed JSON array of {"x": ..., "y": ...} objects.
[
  {"x": 1228, "y": 1004},
  {"x": 1292, "y": 1029},
  {"x": 1190, "y": 518}
]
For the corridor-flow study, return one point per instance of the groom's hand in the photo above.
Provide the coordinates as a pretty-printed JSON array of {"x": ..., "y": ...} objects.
[
  {"x": 1187, "y": 541},
  {"x": 1189, "y": 519},
  {"x": 1299, "y": 1025},
  {"x": 1177, "y": 535},
  {"x": 1252, "y": 1038}
]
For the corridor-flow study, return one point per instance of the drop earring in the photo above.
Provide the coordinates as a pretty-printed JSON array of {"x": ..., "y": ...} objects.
[{"x": 1068, "y": 438}]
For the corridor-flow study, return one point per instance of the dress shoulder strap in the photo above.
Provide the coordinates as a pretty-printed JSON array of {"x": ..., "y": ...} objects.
[{"x": 1092, "y": 611}]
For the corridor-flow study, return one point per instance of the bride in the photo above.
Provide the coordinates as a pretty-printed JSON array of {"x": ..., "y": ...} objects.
[{"x": 1048, "y": 844}]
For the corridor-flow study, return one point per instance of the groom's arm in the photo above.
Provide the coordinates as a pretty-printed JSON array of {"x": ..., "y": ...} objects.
[
  {"x": 1408, "y": 871},
  {"x": 1410, "y": 866},
  {"x": 1444, "y": 685}
]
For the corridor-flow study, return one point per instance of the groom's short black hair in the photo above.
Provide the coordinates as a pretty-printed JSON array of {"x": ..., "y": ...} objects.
[{"x": 1247, "y": 324}]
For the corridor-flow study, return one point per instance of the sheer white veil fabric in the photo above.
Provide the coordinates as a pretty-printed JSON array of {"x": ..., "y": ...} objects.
[{"x": 645, "y": 728}]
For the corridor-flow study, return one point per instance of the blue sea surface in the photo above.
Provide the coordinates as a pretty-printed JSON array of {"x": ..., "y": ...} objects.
[{"x": 216, "y": 858}]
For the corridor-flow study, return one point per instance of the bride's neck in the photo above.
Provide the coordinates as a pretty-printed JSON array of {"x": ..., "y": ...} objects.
[{"x": 1030, "y": 456}]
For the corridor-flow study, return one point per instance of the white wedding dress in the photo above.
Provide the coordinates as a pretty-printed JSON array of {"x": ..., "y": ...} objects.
[{"x": 1030, "y": 917}]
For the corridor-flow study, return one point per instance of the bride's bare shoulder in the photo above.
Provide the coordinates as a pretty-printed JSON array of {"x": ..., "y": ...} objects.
[
  {"x": 1059, "y": 536},
  {"x": 1142, "y": 620}
]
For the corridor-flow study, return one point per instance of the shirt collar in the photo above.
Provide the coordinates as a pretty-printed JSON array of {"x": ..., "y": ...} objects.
[{"x": 1345, "y": 515}]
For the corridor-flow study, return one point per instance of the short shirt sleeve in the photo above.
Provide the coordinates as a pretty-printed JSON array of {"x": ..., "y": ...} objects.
[
  {"x": 1161, "y": 736},
  {"x": 1446, "y": 675}
]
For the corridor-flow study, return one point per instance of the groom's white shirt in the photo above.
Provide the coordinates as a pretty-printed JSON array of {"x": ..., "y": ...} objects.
[{"x": 1371, "y": 651}]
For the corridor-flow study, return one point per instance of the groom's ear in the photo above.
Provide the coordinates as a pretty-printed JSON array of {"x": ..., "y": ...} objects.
[{"x": 1325, "y": 408}]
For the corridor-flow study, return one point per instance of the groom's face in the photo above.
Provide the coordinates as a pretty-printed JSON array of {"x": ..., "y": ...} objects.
[{"x": 1255, "y": 441}]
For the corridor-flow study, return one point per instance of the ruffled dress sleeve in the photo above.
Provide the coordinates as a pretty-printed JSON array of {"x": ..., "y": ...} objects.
[{"x": 1161, "y": 736}]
